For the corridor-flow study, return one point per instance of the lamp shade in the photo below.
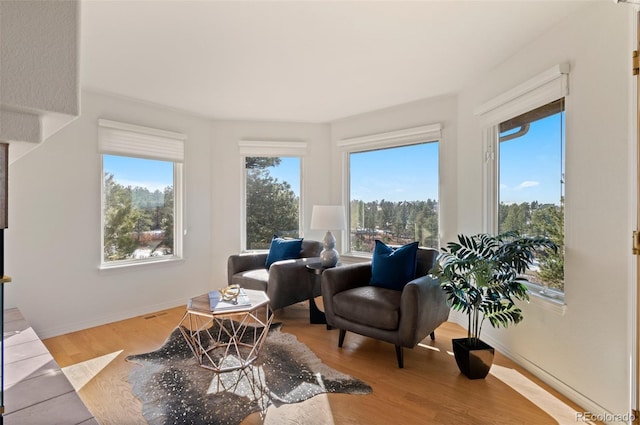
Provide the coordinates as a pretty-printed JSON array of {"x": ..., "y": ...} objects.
[{"x": 328, "y": 217}]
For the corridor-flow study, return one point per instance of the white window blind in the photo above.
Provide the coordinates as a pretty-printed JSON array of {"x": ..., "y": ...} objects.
[
  {"x": 544, "y": 88},
  {"x": 272, "y": 148},
  {"x": 407, "y": 136},
  {"x": 116, "y": 138}
]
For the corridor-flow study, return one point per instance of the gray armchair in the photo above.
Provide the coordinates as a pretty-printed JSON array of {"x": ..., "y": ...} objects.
[
  {"x": 285, "y": 282},
  {"x": 402, "y": 318}
]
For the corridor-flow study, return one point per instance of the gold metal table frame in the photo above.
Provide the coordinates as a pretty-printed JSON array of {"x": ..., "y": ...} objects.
[{"x": 230, "y": 339}]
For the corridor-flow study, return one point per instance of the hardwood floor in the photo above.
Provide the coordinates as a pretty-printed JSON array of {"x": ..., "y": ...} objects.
[{"x": 429, "y": 390}]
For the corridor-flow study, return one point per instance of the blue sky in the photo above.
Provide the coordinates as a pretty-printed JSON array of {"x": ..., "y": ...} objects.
[
  {"x": 409, "y": 173},
  {"x": 389, "y": 174},
  {"x": 530, "y": 169},
  {"x": 135, "y": 172},
  {"x": 288, "y": 171},
  {"x": 531, "y": 164}
]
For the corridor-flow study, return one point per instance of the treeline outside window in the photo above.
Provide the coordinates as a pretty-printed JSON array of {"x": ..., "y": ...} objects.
[
  {"x": 531, "y": 185},
  {"x": 138, "y": 208},
  {"x": 394, "y": 196},
  {"x": 272, "y": 199}
]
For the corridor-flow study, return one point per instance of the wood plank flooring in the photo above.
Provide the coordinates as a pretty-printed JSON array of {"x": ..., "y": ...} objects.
[{"x": 429, "y": 390}]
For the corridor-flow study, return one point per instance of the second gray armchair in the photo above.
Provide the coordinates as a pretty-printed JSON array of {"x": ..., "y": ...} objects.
[
  {"x": 285, "y": 282},
  {"x": 401, "y": 317}
]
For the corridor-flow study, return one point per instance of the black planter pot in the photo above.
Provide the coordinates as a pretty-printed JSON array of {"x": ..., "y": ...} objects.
[{"x": 474, "y": 361}]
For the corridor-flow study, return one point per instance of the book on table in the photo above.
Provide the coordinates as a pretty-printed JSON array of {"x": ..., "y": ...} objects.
[{"x": 216, "y": 303}]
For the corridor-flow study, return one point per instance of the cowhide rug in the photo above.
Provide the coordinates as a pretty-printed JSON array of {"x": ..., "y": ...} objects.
[{"x": 174, "y": 389}]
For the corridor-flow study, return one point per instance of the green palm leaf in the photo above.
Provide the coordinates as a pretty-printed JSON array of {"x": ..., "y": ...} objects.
[{"x": 483, "y": 275}]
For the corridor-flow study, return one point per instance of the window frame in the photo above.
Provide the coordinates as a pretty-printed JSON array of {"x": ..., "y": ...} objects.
[
  {"x": 269, "y": 148},
  {"x": 393, "y": 139},
  {"x": 134, "y": 141},
  {"x": 546, "y": 87}
]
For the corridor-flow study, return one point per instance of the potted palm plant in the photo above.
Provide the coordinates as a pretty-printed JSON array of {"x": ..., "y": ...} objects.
[{"x": 483, "y": 275}]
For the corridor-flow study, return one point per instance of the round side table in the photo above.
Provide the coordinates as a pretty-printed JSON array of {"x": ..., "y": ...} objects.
[{"x": 316, "y": 316}]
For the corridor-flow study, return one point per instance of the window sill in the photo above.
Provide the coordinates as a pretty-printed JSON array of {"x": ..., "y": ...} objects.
[
  {"x": 353, "y": 257},
  {"x": 124, "y": 265},
  {"x": 549, "y": 300}
]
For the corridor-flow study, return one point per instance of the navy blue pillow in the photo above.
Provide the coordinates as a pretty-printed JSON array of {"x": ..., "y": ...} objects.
[
  {"x": 283, "y": 249},
  {"x": 393, "y": 268}
]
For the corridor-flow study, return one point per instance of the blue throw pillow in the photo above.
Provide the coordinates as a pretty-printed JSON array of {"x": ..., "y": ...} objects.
[
  {"x": 283, "y": 249},
  {"x": 393, "y": 268}
]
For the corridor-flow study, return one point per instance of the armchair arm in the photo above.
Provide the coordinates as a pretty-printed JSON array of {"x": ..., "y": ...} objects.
[
  {"x": 242, "y": 262},
  {"x": 289, "y": 281},
  {"x": 290, "y": 269},
  {"x": 423, "y": 307}
]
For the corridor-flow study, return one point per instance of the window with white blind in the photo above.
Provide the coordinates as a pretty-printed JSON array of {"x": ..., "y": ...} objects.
[
  {"x": 392, "y": 186},
  {"x": 524, "y": 137},
  {"x": 271, "y": 190},
  {"x": 142, "y": 193}
]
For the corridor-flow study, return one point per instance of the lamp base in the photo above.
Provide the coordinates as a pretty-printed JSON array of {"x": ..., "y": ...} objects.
[{"x": 329, "y": 256}]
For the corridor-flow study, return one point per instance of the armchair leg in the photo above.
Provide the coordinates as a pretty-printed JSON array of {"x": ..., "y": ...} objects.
[
  {"x": 399, "y": 356},
  {"x": 433, "y": 335},
  {"x": 341, "y": 337}
]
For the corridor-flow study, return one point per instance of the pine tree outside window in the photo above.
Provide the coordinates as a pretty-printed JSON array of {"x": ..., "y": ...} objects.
[
  {"x": 531, "y": 185},
  {"x": 272, "y": 199},
  {"x": 397, "y": 207}
]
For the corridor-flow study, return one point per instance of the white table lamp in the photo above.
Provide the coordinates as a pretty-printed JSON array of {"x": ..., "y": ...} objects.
[{"x": 329, "y": 217}]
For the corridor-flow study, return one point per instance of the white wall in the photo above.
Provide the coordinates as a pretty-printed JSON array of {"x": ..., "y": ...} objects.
[
  {"x": 585, "y": 352},
  {"x": 39, "y": 71},
  {"x": 53, "y": 240},
  {"x": 39, "y": 52}
]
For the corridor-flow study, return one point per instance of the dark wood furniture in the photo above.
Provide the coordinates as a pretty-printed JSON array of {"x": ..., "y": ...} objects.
[{"x": 316, "y": 316}]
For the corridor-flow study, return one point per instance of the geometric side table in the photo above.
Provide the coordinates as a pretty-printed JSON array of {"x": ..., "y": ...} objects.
[{"x": 229, "y": 339}]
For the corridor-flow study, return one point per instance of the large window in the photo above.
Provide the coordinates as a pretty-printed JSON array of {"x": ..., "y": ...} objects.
[
  {"x": 141, "y": 194},
  {"x": 524, "y": 136},
  {"x": 394, "y": 196},
  {"x": 272, "y": 199},
  {"x": 531, "y": 184}
]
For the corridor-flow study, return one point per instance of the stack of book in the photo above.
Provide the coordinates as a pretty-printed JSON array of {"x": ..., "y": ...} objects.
[{"x": 216, "y": 303}]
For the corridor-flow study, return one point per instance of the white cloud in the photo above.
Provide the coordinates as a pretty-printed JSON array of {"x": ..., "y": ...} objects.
[{"x": 528, "y": 183}]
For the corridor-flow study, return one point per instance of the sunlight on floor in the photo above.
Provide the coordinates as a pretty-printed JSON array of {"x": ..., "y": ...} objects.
[
  {"x": 555, "y": 408},
  {"x": 428, "y": 346},
  {"x": 251, "y": 383},
  {"x": 537, "y": 395},
  {"x": 314, "y": 411},
  {"x": 80, "y": 374},
  {"x": 32, "y": 361}
]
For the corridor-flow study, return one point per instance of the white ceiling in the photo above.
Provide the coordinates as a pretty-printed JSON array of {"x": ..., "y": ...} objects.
[{"x": 308, "y": 61}]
